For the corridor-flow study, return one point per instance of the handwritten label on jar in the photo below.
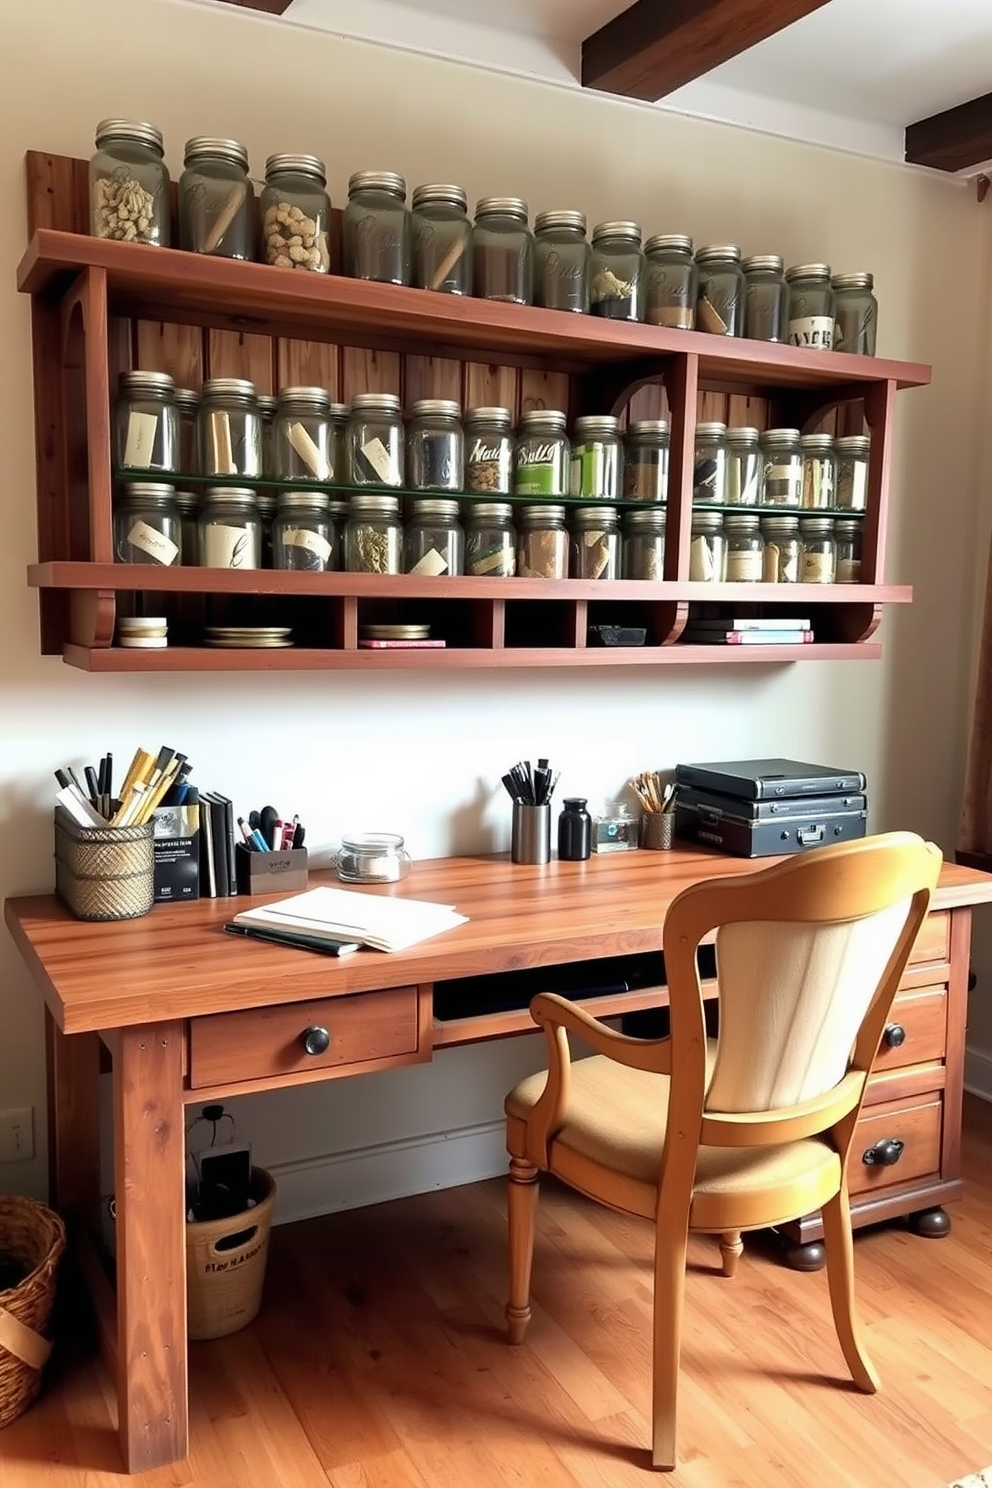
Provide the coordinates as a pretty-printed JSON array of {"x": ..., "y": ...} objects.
[
  {"x": 812, "y": 331},
  {"x": 228, "y": 547},
  {"x": 381, "y": 461},
  {"x": 744, "y": 568},
  {"x": 148, "y": 539},
  {"x": 432, "y": 564},
  {"x": 818, "y": 568},
  {"x": 139, "y": 446},
  {"x": 309, "y": 452},
  {"x": 313, "y": 542}
]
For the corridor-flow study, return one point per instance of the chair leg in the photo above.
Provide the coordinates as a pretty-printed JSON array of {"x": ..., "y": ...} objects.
[
  {"x": 669, "y": 1291},
  {"x": 731, "y": 1250},
  {"x": 521, "y": 1214},
  {"x": 839, "y": 1244}
]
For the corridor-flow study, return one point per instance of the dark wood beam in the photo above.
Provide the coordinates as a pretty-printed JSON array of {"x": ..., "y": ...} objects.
[
  {"x": 657, "y": 45},
  {"x": 271, "y": 7},
  {"x": 955, "y": 139}
]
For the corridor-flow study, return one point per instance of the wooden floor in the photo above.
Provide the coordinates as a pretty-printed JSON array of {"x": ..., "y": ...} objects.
[{"x": 378, "y": 1361}]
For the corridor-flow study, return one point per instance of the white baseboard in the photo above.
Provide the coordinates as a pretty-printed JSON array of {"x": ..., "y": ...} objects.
[{"x": 978, "y": 1073}]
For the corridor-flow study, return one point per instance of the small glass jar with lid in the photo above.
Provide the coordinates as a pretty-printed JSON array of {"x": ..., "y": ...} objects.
[
  {"x": 781, "y": 468},
  {"x": 302, "y": 434},
  {"x": 542, "y": 459},
  {"x": 707, "y": 548},
  {"x": 442, "y": 240},
  {"x": 594, "y": 550},
  {"x": 373, "y": 534},
  {"x": 811, "y": 306},
  {"x": 433, "y": 543},
  {"x": 766, "y": 297},
  {"x": 230, "y": 428},
  {"x": 855, "y": 313},
  {"x": 302, "y": 535},
  {"x": 373, "y": 857},
  {"x": 188, "y": 507},
  {"x": 502, "y": 251},
  {"x": 230, "y": 528},
  {"x": 146, "y": 422},
  {"x": 489, "y": 450},
  {"x": 782, "y": 548},
  {"x": 490, "y": 540},
  {"x": 187, "y": 408},
  {"x": 616, "y": 285},
  {"x": 435, "y": 446},
  {"x": 376, "y": 228},
  {"x": 743, "y": 467},
  {"x": 267, "y": 413},
  {"x": 709, "y": 471},
  {"x": 597, "y": 456},
  {"x": 818, "y": 564},
  {"x": 265, "y": 501},
  {"x": 818, "y": 471},
  {"x": 745, "y": 547},
  {"x": 644, "y": 544},
  {"x": 147, "y": 524},
  {"x": 847, "y": 546},
  {"x": 338, "y": 418},
  {"x": 129, "y": 184},
  {"x": 720, "y": 302},
  {"x": 561, "y": 261},
  {"x": 542, "y": 542},
  {"x": 216, "y": 199},
  {"x": 376, "y": 440},
  {"x": 645, "y": 468},
  {"x": 296, "y": 214},
  {"x": 337, "y": 511},
  {"x": 852, "y": 452},
  {"x": 671, "y": 281}
]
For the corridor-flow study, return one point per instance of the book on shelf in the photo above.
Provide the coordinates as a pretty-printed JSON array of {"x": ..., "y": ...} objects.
[
  {"x": 384, "y": 923},
  {"x": 726, "y": 637},
  {"x": 747, "y": 622}
]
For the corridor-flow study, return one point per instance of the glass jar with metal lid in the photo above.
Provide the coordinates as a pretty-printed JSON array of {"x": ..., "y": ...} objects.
[
  {"x": 490, "y": 540},
  {"x": 782, "y": 548},
  {"x": 376, "y": 441},
  {"x": 376, "y": 228},
  {"x": 811, "y": 306},
  {"x": 671, "y": 281},
  {"x": 303, "y": 537},
  {"x": 373, "y": 857},
  {"x": 302, "y": 434},
  {"x": 267, "y": 413},
  {"x": 745, "y": 547},
  {"x": 644, "y": 544},
  {"x": 855, "y": 313},
  {"x": 338, "y": 419},
  {"x": 709, "y": 471},
  {"x": 489, "y": 450},
  {"x": 818, "y": 564},
  {"x": 594, "y": 550},
  {"x": 596, "y": 457},
  {"x": 230, "y": 528},
  {"x": 147, "y": 524},
  {"x": 616, "y": 286},
  {"x": 541, "y": 464},
  {"x": 819, "y": 471},
  {"x": 129, "y": 183},
  {"x": 542, "y": 542},
  {"x": 188, "y": 507},
  {"x": 296, "y": 213},
  {"x": 720, "y": 302},
  {"x": 781, "y": 468},
  {"x": 433, "y": 543},
  {"x": 646, "y": 451},
  {"x": 216, "y": 199},
  {"x": 743, "y": 467},
  {"x": 442, "y": 239},
  {"x": 373, "y": 534},
  {"x": 146, "y": 422},
  {"x": 187, "y": 409},
  {"x": 707, "y": 548},
  {"x": 766, "y": 297},
  {"x": 435, "y": 446},
  {"x": 852, "y": 452},
  {"x": 337, "y": 511},
  {"x": 265, "y": 501},
  {"x": 847, "y": 547},
  {"x": 230, "y": 428},
  {"x": 502, "y": 251},
  {"x": 561, "y": 261}
]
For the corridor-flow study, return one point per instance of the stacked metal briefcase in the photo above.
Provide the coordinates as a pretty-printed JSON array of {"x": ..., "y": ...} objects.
[{"x": 761, "y": 808}]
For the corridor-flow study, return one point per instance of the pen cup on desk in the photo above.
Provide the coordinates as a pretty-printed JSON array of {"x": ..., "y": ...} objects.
[
  {"x": 104, "y": 873},
  {"x": 530, "y": 841},
  {"x": 658, "y": 829},
  {"x": 270, "y": 872}
]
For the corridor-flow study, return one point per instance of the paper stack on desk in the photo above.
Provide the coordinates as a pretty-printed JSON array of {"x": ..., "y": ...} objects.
[{"x": 385, "y": 923}]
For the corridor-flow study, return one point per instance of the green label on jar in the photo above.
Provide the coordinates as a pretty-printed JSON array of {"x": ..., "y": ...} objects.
[
  {"x": 588, "y": 471},
  {"x": 538, "y": 480}
]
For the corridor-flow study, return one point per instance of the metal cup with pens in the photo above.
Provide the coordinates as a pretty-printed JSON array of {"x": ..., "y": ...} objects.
[
  {"x": 530, "y": 788},
  {"x": 658, "y": 805}
]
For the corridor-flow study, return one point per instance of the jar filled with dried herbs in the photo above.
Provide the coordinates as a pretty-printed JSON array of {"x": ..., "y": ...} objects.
[
  {"x": 442, "y": 236},
  {"x": 146, "y": 422},
  {"x": 847, "y": 544},
  {"x": 541, "y": 465},
  {"x": 745, "y": 547},
  {"x": 644, "y": 544},
  {"x": 129, "y": 184},
  {"x": 433, "y": 543},
  {"x": 542, "y": 542},
  {"x": 709, "y": 471},
  {"x": 671, "y": 281},
  {"x": 646, "y": 450},
  {"x": 435, "y": 446},
  {"x": 781, "y": 468},
  {"x": 216, "y": 199},
  {"x": 373, "y": 534},
  {"x": 596, "y": 458},
  {"x": 230, "y": 428},
  {"x": 720, "y": 305},
  {"x": 743, "y": 467},
  {"x": 852, "y": 452},
  {"x": 594, "y": 550},
  {"x": 147, "y": 525},
  {"x": 376, "y": 440},
  {"x": 502, "y": 251},
  {"x": 296, "y": 214},
  {"x": 707, "y": 548},
  {"x": 819, "y": 471},
  {"x": 230, "y": 529},
  {"x": 616, "y": 288},
  {"x": 376, "y": 228},
  {"x": 782, "y": 549},
  {"x": 818, "y": 564},
  {"x": 302, "y": 434},
  {"x": 855, "y": 313},
  {"x": 489, "y": 450},
  {"x": 561, "y": 261},
  {"x": 303, "y": 537},
  {"x": 811, "y": 306},
  {"x": 766, "y": 297},
  {"x": 490, "y": 540}
]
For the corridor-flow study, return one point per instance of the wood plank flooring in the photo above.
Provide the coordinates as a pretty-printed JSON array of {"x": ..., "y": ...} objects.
[{"x": 378, "y": 1361}]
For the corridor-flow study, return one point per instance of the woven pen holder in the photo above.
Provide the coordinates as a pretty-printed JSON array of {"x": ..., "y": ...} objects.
[
  {"x": 104, "y": 873},
  {"x": 657, "y": 829}
]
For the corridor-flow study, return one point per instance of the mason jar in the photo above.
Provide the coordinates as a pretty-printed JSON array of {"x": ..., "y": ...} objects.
[
  {"x": 373, "y": 534},
  {"x": 302, "y": 535},
  {"x": 129, "y": 184},
  {"x": 489, "y": 450},
  {"x": 847, "y": 548},
  {"x": 337, "y": 511},
  {"x": 855, "y": 313},
  {"x": 561, "y": 261},
  {"x": 490, "y": 540},
  {"x": 594, "y": 550},
  {"x": 720, "y": 300},
  {"x": 542, "y": 459},
  {"x": 433, "y": 543},
  {"x": 376, "y": 441},
  {"x": 376, "y": 228},
  {"x": 187, "y": 410},
  {"x": 230, "y": 528},
  {"x": 644, "y": 544},
  {"x": 596, "y": 457},
  {"x": 707, "y": 548},
  {"x": 267, "y": 414},
  {"x": 216, "y": 199},
  {"x": 818, "y": 564},
  {"x": 146, "y": 422},
  {"x": 781, "y": 468},
  {"x": 766, "y": 297},
  {"x": 616, "y": 286},
  {"x": 296, "y": 213},
  {"x": 743, "y": 467},
  {"x": 442, "y": 239},
  {"x": 818, "y": 471},
  {"x": 709, "y": 471},
  {"x": 782, "y": 549},
  {"x": 852, "y": 452},
  {"x": 646, "y": 451},
  {"x": 230, "y": 428},
  {"x": 435, "y": 446},
  {"x": 542, "y": 542},
  {"x": 188, "y": 507},
  {"x": 811, "y": 306},
  {"x": 302, "y": 434},
  {"x": 671, "y": 281},
  {"x": 745, "y": 548},
  {"x": 147, "y": 525},
  {"x": 338, "y": 418},
  {"x": 265, "y": 502},
  {"x": 502, "y": 251}
]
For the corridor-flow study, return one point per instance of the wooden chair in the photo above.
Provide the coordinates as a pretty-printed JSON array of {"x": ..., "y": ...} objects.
[{"x": 751, "y": 1129}]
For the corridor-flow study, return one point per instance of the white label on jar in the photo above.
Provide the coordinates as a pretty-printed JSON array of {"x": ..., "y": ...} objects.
[
  {"x": 313, "y": 542},
  {"x": 139, "y": 446},
  {"x": 379, "y": 458},
  {"x": 148, "y": 539},
  {"x": 702, "y": 560},
  {"x": 818, "y": 568},
  {"x": 222, "y": 452},
  {"x": 744, "y": 567},
  {"x": 812, "y": 330},
  {"x": 849, "y": 571},
  {"x": 309, "y": 452},
  {"x": 227, "y": 547},
  {"x": 432, "y": 564}
]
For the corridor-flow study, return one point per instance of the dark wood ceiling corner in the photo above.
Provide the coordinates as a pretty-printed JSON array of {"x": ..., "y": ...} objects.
[
  {"x": 656, "y": 46},
  {"x": 955, "y": 139},
  {"x": 271, "y": 7}
]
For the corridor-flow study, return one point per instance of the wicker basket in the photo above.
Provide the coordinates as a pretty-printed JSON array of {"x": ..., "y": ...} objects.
[
  {"x": 225, "y": 1264},
  {"x": 104, "y": 873},
  {"x": 32, "y": 1236}
]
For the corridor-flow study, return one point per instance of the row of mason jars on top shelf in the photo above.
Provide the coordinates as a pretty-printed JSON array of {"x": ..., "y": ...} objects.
[{"x": 435, "y": 246}]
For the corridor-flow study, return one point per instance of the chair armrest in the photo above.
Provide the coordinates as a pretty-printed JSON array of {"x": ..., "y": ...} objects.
[{"x": 655, "y": 1055}]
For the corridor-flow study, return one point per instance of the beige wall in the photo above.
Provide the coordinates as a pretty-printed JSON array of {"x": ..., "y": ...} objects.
[{"x": 424, "y": 754}]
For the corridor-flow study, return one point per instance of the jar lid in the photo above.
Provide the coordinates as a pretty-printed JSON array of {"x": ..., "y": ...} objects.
[
  {"x": 159, "y": 383},
  {"x": 425, "y": 507},
  {"x": 596, "y": 426},
  {"x": 436, "y": 408},
  {"x": 501, "y": 416},
  {"x": 369, "y": 504},
  {"x": 136, "y": 131},
  {"x": 847, "y": 526},
  {"x": 776, "y": 437},
  {"x": 651, "y": 518},
  {"x": 594, "y": 516},
  {"x": 808, "y": 271},
  {"x": 501, "y": 206},
  {"x": 853, "y": 444},
  {"x": 576, "y": 802},
  {"x": 316, "y": 397},
  {"x": 853, "y": 281},
  {"x": 300, "y": 165},
  {"x": 711, "y": 431},
  {"x": 373, "y": 180},
  {"x": 204, "y": 147},
  {"x": 604, "y": 231},
  {"x": 548, "y": 420},
  {"x": 338, "y": 410},
  {"x": 648, "y": 429},
  {"x": 548, "y": 221},
  {"x": 817, "y": 444},
  {"x": 237, "y": 495},
  {"x": 296, "y": 500},
  {"x": 816, "y": 524},
  {"x": 375, "y": 403},
  {"x": 374, "y": 842},
  {"x": 767, "y": 262},
  {"x": 188, "y": 503},
  {"x": 229, "y": 387},
  {"x": 266, "y": 405},
  {"x": 490, "y": 511},
  {"x": 266, "y": 503},
  {"x": 669, "y": 243},
  {"x": 546, "y": 515},
  {"x": 706, "y": 521},
  {"x": 186, "y": 399},
  {"x": 743, "y": 436},
  {"x": 445, "y": 196},
  {"x": 714, "y": 251},
  {"x": 150, "y": 491},
  {"x": 336, "y": 509},
  {"x": 780, "y": 525},
  {"x": 741, "y": 521}
]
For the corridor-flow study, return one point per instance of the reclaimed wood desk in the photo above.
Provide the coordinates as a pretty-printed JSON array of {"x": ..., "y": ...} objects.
[{"x": 190, "y": 1014}]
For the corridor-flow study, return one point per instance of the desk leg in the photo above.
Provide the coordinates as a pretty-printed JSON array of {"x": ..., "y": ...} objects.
[
  {"x": 73, "y": 1123},
  {"x": 151, "y": 1254}
]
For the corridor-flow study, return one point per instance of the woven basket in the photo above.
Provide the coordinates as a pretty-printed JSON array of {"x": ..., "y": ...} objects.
[
  {"x": 32, "y": 1236},
  {"x": 104, "y": 873},
  {"x": 225, "y": 1264}
]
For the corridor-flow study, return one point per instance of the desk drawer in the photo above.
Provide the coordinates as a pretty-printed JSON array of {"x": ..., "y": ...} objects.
[
  {"x": 263, "y": 1043},
  {"x": 916, "y": 1030},
  {"x": 934, "y": 940},
  {"x": 915, "y": 1123}
]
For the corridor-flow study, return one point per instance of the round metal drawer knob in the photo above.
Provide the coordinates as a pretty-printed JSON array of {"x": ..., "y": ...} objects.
[
  {"x": 884, "y": 1153},
  {"x": 894, "y": 1035},
  {"x": 316, "y": 1040}
]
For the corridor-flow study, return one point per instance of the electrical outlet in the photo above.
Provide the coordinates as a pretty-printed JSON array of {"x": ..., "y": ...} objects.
[{"x": 17, "y": 1135}]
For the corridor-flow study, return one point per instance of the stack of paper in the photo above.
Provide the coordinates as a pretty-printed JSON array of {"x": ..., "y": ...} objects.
[{"x": 387, "y": 924}]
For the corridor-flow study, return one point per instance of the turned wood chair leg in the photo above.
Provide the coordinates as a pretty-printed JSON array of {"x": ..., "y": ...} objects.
[
  {"x": 669, "y": 1291},
  {"x": 839, "y": 1244},
  {"x": 731, "y": 1250},
  {"x": 521, "y": 1216}
]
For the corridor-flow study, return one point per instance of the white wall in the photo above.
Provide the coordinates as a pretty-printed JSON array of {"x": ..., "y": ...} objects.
[{"x": 420, "y": 754}]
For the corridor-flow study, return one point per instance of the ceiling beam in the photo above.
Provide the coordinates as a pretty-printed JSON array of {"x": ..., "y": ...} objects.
[
  {"x": 271, "y": 7},
  {"x": 655, "y": 46},
  {"x": 955, "y": 139}
]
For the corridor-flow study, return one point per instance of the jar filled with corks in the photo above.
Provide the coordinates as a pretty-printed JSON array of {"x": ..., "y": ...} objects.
[
  {"x": 129, "y": 183},
  {"x": 296, "y": 214}
]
